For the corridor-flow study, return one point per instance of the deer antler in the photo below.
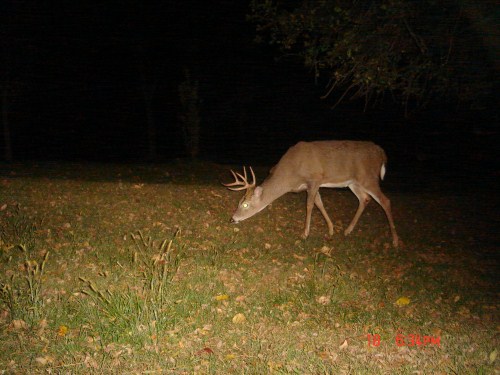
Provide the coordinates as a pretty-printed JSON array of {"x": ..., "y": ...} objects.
[{"x": 241, "y": 181}]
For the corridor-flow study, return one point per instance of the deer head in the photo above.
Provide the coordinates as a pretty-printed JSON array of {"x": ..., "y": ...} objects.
[{"x": 251, "y": 203}]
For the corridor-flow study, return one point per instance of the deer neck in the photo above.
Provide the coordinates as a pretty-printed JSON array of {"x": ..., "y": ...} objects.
[{"x": 272, "y": 189}]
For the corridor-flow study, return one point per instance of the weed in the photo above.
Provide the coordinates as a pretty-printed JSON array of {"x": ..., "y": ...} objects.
[
  {"x": 160, "y": 269},
  {"x": 23, "y": 298},
  {"x": 17, "y": 229},
  {"x": 142, "y": 314},
  {"x": 21, "y": 292}
]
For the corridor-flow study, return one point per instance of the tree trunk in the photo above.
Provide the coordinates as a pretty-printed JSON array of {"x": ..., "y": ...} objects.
[
  {"x": 7, "y": 142},
  {"x": 148, "y": 91}
]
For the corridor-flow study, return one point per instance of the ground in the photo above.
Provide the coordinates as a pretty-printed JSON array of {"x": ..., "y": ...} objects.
[{"x": 136, "y": 269}]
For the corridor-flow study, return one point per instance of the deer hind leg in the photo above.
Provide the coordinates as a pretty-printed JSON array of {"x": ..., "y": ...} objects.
[
  {"x": 312, "y": 191},
  {"x": 319, "y": 203},
  {"x": 381, "y": 199},
  {"x": 363, "y": 199}
]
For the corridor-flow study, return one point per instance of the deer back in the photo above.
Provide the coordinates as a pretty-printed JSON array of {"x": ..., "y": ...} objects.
[{"x": 330, "y": 162}]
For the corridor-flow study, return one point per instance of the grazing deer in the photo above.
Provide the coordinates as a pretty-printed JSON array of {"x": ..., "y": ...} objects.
[{"x": 311, "y": 165}]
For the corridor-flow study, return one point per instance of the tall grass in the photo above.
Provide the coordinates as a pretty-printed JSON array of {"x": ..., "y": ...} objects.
[
  {"x": 21, "y": 292},
  {"x": 137, "y": 314}
]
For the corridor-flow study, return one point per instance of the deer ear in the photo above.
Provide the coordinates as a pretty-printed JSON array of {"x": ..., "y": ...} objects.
[{"x": 257, "y": 192}]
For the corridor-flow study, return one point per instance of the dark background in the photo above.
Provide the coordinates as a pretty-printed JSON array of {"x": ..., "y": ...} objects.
[{"x": 78, "y": 74}]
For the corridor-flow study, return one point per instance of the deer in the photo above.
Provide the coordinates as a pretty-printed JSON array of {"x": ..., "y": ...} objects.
[{"x": 309, "y": 166}]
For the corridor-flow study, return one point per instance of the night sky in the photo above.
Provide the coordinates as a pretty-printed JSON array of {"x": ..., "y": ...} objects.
[{"x": 79, "y": 75}]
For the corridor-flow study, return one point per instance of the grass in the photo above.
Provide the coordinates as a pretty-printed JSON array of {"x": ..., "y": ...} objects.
[{"x": 135, "y": 269}]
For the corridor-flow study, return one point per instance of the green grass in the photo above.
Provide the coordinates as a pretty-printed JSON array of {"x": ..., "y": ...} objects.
[{"x": 135, "y": 269}]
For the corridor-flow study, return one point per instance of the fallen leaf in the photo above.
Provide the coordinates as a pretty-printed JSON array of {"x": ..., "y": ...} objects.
[
  {"x": 62, "y": 331},
  {"x": 4, "y": 314},
  {"x": 493, "y": 356},
  {"x": 42, "y": 361},
  {"x": 222, "y": 297},
  {"x": 42, "y": 324},
  {"x": 215, "y": 194},
  {"x": 19, "y": 324},
  {"x": 205, "y": 351},
  {"x": 344, "y": 345},
  {"x": 403, "y": 301},
  {"x": 239, "y": 318},
  {"x": 323, "y": 300},
  {"x": 326, "y": 250},
  {"x": 437, "y": 332}
]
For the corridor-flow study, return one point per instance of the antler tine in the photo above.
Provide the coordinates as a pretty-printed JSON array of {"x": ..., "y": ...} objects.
[
  {"x": 241, "y": 180},
  {"x": 236, "y": 182},
  {"x": 245, "y": 177},
  {"x": 253, "y": 176},
  {"x": 245, "y": 172}
]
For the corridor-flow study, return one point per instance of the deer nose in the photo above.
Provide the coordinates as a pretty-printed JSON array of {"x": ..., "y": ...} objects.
[{"x": 232, "y": 221}]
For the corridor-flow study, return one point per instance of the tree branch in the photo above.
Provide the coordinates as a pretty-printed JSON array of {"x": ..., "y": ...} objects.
[{"x": 418, "y": 40}]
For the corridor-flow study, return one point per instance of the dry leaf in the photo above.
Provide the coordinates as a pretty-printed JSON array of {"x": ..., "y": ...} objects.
[
  {"x": 19, "y": 324},
  {"x": 239, "y": 318},
  {"x": 344, "y": 345},
  {"x": 42, "y": 324},
  {"x": 215, "y": 194},
  {"x": 323, "y": 300},
  {"x": 326, "y": 250},
  {"x": 42, "y": 361},
  {"x": 493, "y": 356},
  {"x": 62, "y": 331},
  {"x": 205, "y": 351},
  {"x": 90, "y": 362},
  {"x": 299, "y": 257},
  {"x": 222, "y": 297},
  {"x": 403, "y": 301}
]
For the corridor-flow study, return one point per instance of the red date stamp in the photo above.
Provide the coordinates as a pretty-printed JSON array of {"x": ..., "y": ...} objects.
[{"x": 411, "y": 340}]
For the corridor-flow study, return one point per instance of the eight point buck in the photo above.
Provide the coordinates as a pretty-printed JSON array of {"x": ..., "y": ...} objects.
[{"x": 311, "y": 165}]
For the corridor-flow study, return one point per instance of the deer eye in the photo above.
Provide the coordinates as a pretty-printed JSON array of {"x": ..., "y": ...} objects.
[{"x": 244, "y": 205}]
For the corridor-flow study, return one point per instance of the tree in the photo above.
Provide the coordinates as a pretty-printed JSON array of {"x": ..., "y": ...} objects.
[
  {"x": 189, "y": 115},
  {"x": 416, "y": 51},
  {"x": 4, "y": 108},
  {"x": 148, "y": 84},
  {"x": 16, "y": 55}
]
